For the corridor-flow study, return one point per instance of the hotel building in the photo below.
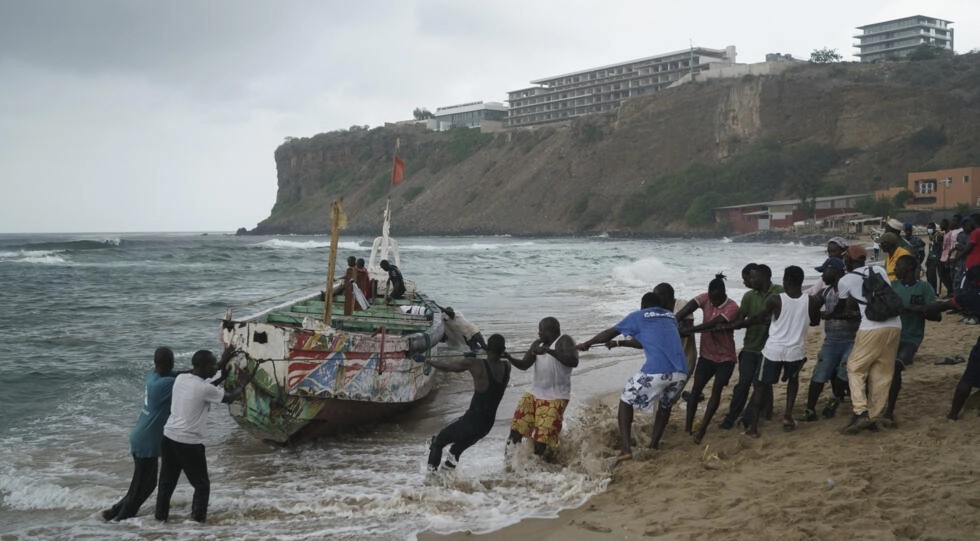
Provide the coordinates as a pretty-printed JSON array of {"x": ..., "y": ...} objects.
[
  {"x": 899, "y": 37},
  {"x": 596, "y": 90}
]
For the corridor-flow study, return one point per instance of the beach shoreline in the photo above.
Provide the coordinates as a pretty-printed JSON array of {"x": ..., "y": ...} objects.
[{"x": 910, "y": 482}]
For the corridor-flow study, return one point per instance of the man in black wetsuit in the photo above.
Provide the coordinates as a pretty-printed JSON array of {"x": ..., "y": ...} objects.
[
  {"x": 395, "y": 279},
  {"x": 490, "y": 377}
]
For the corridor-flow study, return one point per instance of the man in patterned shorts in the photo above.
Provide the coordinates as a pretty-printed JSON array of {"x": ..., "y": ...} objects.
[
  {"x": 539, "y": 414},
  {"x": 654, "y": 328}
]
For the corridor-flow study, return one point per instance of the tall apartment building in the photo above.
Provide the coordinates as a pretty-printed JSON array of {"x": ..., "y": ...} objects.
[
  {"x": 596, "y": 90},
  {"x": 898, "y": 38}
]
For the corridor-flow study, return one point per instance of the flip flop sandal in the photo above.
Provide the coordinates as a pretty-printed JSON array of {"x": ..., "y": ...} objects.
[{"x": 947, "y": 360}]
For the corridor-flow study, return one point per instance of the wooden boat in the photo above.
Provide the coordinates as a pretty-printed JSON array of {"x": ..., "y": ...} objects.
[{"x": 317, "y": 375}]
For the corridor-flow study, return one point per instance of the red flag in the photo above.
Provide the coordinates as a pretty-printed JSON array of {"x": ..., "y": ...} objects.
[{"x": 398, "y": 171}]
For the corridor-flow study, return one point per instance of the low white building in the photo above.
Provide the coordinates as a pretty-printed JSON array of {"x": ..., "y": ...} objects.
[{"x": 487, "y": 116}]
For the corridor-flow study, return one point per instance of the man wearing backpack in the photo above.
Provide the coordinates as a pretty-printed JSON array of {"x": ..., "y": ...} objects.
[{"x": 871, "y": 362}]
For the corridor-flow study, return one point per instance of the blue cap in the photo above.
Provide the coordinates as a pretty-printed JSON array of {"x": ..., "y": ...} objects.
[{"x": 831, "y": 262}]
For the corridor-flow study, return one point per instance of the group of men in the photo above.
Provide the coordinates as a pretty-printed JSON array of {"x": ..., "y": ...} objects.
[
  {"x": 170, "y": 432},
  {"x": 862, "y": 354}
]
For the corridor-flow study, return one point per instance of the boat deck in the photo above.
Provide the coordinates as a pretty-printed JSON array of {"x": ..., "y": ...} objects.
[{"x": 378, "y": 314}]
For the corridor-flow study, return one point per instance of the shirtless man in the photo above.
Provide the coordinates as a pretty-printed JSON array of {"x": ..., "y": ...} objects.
[
  {"x": 490, "y": 377},
  {"x": 395, "y": 280},
  {"x": 540, "y": 413}
]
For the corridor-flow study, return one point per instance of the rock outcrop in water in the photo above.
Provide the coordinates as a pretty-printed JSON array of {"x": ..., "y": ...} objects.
[{"x": 655, "y": 167}]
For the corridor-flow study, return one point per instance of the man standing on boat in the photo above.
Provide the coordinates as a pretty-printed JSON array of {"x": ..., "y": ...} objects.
[
  {"x": 183, "y": 436},
  {"x": 145, "y": 438},
  {"x": 661, "y": 378},
  {"x": 490, "y": 378},
  {"x": 540, "y": 413},
  {"x": 395, "y": 280}
]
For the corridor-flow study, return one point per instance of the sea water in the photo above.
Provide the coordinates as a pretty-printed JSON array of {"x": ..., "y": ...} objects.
[{"x": 81, "y": 315}]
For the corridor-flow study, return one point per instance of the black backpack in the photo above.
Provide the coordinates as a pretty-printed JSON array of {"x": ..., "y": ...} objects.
[{"x": 883, "y": 303}]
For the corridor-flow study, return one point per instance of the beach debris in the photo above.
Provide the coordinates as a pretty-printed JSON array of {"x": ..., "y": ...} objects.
[{"x": 831, "y": 484}]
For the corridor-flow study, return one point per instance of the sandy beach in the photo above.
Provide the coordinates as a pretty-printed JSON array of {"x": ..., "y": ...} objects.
[{"x": 916, "y": 481}]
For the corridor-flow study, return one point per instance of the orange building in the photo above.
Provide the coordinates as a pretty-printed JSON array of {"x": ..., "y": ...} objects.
[{"x": 942, "y": 189}]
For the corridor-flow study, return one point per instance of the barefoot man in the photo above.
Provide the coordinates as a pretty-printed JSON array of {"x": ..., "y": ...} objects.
[
  {"x": 490, "y": 377},
  {"x": 540, "y": 413},
  {"x": 661, "y": 379}
]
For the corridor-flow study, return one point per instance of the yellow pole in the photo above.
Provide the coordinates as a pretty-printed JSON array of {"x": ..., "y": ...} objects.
[{"x": 335, "y": 214}]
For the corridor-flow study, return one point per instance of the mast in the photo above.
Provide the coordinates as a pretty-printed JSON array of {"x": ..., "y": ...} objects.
[{"x": 338, "y": 221}]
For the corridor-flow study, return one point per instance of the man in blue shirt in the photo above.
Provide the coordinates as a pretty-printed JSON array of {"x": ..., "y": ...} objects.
[
  {"x": 654, "y": 329},
  {"x": 145, "y": 438}
]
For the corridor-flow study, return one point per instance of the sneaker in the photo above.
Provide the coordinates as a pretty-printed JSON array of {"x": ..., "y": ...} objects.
[
  {"x": 726, "y": 425},
  {"x": 857, "y": 424},
  {"x": 831, "y": 409},
  {"x": 970, "y": 321},
  {"x": 809, "y": 416}
]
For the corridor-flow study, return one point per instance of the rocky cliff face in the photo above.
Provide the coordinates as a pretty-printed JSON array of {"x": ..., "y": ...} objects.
[{"x": 816, "y": 129}]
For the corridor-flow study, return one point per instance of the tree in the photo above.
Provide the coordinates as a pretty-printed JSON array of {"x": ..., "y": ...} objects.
[
  {"x": 928, "y": 52},
  {"x": 421, "y": 113},
  {"x": 825, "y": 56},
  {"x": 902, "y": 197}
]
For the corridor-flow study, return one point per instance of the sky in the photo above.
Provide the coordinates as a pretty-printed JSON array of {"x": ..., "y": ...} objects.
[{"x": 131, "y": 115}]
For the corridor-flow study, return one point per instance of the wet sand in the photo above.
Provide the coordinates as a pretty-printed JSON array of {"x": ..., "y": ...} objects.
[{"x": 916, "y": 481}]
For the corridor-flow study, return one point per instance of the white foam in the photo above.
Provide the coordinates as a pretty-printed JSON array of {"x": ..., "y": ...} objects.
[
  {"x": 473, "y": 246},
  {"x": 41, "y": 260},
  {"x": 641, "y": 272},
  {"x": 283, "y": 244}
]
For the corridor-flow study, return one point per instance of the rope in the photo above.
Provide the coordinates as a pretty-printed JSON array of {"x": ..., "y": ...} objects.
[{"x": 171, "y": 323}]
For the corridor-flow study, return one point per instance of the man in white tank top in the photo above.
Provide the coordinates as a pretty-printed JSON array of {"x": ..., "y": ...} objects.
[
  {"x": 540, "y": 413},
  {"x": 785, "y": 349}
]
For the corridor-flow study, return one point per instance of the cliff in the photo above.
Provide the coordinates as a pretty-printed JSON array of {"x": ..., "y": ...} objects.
[{"x": 656, "y": 166}]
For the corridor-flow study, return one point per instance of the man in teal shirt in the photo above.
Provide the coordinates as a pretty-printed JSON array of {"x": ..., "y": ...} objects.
[
  {"x": 759, "y": 279},
  {"x": 146, "y": 436},
  {"x": 914, "y": 292}
]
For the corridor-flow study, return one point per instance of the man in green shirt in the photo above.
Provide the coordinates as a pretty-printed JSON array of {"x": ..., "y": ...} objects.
[
  {"x": 914, "y": 292},
  {"x": 759, "y": 279}
]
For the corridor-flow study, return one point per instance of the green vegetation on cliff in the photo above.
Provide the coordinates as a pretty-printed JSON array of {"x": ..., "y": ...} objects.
[{"x": 658, "y": 165}]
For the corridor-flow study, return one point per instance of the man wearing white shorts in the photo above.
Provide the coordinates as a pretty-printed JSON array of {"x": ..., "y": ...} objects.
[{"x": 654, "y": 329}]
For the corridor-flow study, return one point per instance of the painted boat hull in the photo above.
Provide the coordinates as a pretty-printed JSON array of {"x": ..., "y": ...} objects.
[{"x": 312, "y": 381}]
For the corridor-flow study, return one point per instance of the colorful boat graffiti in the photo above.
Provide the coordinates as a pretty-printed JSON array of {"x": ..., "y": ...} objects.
[{"x": 317, "y": 375}]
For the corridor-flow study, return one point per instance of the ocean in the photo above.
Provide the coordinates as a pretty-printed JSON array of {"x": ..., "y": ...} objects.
[{"x": 82, "y": 314}]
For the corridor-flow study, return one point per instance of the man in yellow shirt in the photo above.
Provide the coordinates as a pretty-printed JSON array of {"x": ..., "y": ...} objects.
[{"x": 891, "y": 245}]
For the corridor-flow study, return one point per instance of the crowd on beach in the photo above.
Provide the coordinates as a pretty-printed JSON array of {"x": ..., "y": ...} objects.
[
  {"x": 873, "y": 319},
  {"x": 873, "y": 316}
]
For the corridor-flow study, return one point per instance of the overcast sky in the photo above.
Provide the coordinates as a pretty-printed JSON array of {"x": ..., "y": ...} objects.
[{"x": 163, "y": 116}]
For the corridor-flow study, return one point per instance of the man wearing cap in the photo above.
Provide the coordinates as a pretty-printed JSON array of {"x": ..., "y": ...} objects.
[
  {"x": 840, "y": 326},
  {"x": 871, "y": 363},
  {"x": 835, "y": 250},
  {"x": 891, "y": 244},
  {"x": 896, "y": 226}
]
